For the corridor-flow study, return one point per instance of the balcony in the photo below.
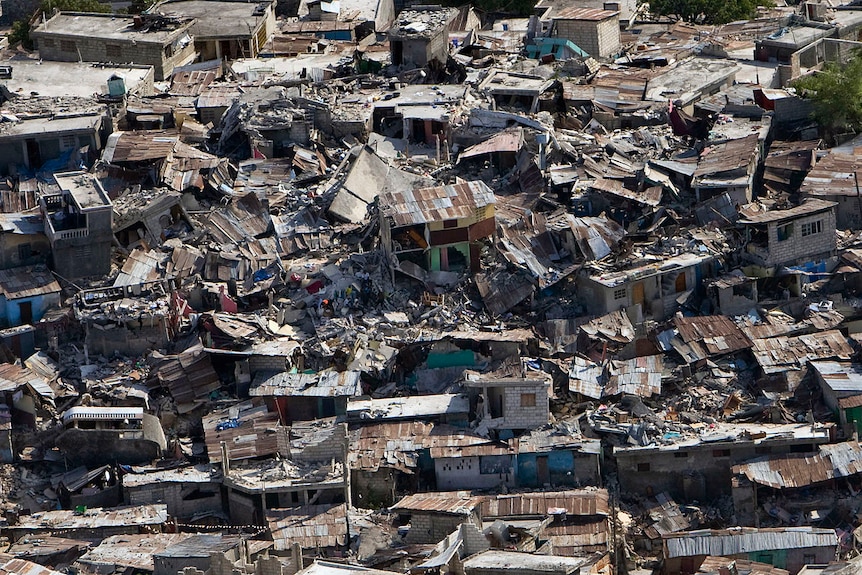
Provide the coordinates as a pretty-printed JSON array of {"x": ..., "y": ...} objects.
[{"x": 62, "y": 222}]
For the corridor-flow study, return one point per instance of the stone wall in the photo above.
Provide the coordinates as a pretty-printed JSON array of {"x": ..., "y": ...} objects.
[
  {"x": 325, "y": 448},
  {"x": 176, "y": 497},
  {"x": 518, "y": 416},
  {"x": 599, "y": 39},
  {"x": 69, "y": 48},
  {"x": 372, "y": 489},
  {"x": 797, "y": 248},
  {"x": 432, "y": 527}
]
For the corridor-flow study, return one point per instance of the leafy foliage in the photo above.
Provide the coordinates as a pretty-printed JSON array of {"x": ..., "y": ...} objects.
[
  {"x": 836, "y": 93},
  {"x": 20, "y": 34},
  {"x": 139, "y": 6},
  {"x": 707, "y": 11}
]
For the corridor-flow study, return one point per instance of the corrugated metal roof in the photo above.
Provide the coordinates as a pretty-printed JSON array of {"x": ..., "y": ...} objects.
[
  {"x": 96, "y": 518},
  {"x": 24, "y": 567},
  {"x": 667, "y": 516},
  {"x": 561, "y": 436},
  {"x": 745, "y": 540},
  {"x": 640, "y": 376},
  {"x": 506, "y": 141},
  {"x": 843, "y": 377},
  {"x": 801, "y": 469},
  {"x": 14, "y": 377},
  {"x": 220, "y": 96},
  {"x": 707, "y": 336},
  {"x": 189, "y": 376},
  {"x": 140, "y": 267},
  {"x": 437, "y": 204},
  {"x": 397, "y": 445},
  {"x": 778, "y": 354},
  {"x": 141, "y": 146},
  {"x": 835, "y": 174},
  {"x": 586, "y": 377},
  {"x": 477, "y": 450},
  {"x": 447, "y": 502},
  {"x": 614, "y": 326},
  {"x": 730, "y": 157},
  {"x": 808, "y": 207},
  {"x": 570, "y": 539},
  {"x": 312, "y": 526},
  {"x": 650, "y": 196},
  {"x": 593, "y": 14},
  {"x": 29, "y": 281},
  {"x": 191, "y": 82},
  {"x": 45, "y": 545},
  {"x": 201, "y": 545},
  {"x": 256, "y": 432},
  {"x": 132, "y": 551},
  {"x": 742, "y": 566},
  {"x": 579, "y": 502}
]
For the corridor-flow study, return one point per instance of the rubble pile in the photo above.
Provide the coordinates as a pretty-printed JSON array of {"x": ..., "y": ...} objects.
[{"x": 304, "y": 289}]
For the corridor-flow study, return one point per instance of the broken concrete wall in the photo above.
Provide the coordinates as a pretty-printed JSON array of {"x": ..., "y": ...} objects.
[
  {"x": 184, "y": 500},
  {"x": 327, "y": 446},
  {"x": 133, "y": 337}
]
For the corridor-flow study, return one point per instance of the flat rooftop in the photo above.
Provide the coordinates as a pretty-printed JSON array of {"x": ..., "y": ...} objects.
[
  {"x": 613, "y": 279},
  {"x": 81, "y": 79},
  {"x": 691, "y": 79},
  {"x": 217, "y": 19},
  {"x": 107, "y": 26},
  {"x": 724, "y": 434},
  {"x": 36, "y": 126},
  {"x": 421, "y": 23},
  {"x": 84, "y": 188},
  {"x": 511, "y": 560},
  {"x": 408, "y": 407}
]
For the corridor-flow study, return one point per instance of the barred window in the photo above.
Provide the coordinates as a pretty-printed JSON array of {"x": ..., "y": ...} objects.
[{"x": 811, "y": 228}]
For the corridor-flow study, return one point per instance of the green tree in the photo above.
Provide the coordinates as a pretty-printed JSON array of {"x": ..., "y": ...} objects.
[
  {"x": 836, "y": 93},
  {"x": 21, "y": 28},
  {"x": 706, "y": 11}
]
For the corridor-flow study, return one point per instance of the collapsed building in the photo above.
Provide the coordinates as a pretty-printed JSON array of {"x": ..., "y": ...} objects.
[{"x": 318, "y": 287}]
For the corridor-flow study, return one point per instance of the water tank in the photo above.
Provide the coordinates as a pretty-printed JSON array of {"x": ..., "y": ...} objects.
[{"x": 116, "y": 86}]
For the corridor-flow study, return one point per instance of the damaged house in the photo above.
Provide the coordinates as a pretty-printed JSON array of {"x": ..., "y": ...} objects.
[
  {"x": 98, "y": 435},
  {"x": 78, "y": 225},
  {"x": 149, "y": 39},
  {"x": 439, "y": 228},
  {"x": 695, "y": 465},
  {"x": 802, "y": 237},
  {"x": 224, "y": 30},
  {"x": 420, "y": 36},
  {"x": 648, "y": 290}
]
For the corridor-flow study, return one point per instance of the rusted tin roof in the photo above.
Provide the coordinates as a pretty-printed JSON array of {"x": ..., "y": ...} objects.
[
  {"x": 806, "y": 208},
  {"x": 312, "y": 526},
  {"x": 446, "y": 502},
  {"x": 778, "y": 354},
  {"x": 437, "y": 204},
  {"x": 795, "y": 470},
  {"x": 640, "y": 376},
  {"x": 592, "y": 14},
  {"x": 708, "y": 336},
  {"x": 541, "y": 503}
]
